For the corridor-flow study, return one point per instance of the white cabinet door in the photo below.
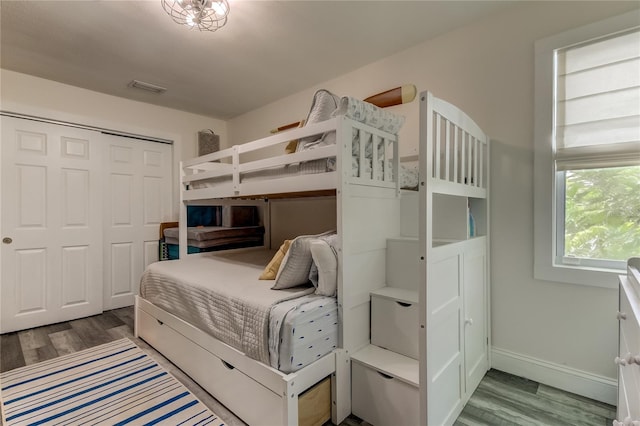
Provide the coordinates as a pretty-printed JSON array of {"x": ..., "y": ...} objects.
[
  {"x": 51, "y": 222},
  {"x": 475, "y": 318},
  {"x": 444, "y": 350},
  {"x": 137, "y": 198}
]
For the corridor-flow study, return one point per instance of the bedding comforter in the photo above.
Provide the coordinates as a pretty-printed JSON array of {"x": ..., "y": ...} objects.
[{"x": 220, "y": 293}]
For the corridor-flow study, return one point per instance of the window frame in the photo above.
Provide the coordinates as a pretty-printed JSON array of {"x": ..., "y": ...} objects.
[{"x": 546, "y": 182}]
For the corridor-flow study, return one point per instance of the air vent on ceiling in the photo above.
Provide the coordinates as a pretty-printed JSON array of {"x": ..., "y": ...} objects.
[{"x": 147, "y": 86}]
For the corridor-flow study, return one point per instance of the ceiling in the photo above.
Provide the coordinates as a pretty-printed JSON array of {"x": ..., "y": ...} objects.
[{"x": 268, "y": 49}]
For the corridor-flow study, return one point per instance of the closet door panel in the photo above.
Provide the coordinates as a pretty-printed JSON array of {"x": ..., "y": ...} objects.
[
  {"x": 138, "y": 199},
  {"x": 75, "y": 276},
  {"x": 30, "y": 285},
  {"x": 51, "y": 224}
]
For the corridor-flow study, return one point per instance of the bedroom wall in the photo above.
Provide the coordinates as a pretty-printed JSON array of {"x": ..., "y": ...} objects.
[
  {"x": 30, "y": 95},
  {"x": 487, "y": 69}
]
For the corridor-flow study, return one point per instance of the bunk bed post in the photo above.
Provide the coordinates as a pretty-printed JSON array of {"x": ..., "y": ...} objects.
[
  {"x": 426, "y": 164},
  {"x": 289, "y": 404},
  {"x": 235, "y": 158},
  {"x": 182, "y": 224},
  {"x": 266, "y": 223},
  {"x": 341, "y": 387},
  {"x": 341, "y": 379}
]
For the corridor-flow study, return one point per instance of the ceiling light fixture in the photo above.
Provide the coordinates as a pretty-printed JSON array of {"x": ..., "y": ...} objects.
[{"x": 205, "y": 15}]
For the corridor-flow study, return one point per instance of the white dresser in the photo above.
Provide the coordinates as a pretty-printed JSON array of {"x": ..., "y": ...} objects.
[{"x": 628, "y": 358}]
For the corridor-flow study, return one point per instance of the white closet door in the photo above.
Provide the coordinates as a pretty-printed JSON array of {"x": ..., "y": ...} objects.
[
  {"x": 137, "y": 198},
  {"x": 51, "y": 221}
]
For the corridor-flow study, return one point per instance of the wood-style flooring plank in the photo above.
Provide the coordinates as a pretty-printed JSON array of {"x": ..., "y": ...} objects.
[
  {"x": 43, "y": 353},
  {"x": 580, "y": 402},
  {"x": 91, "y": 332},
  {"x": 545, "y": 411},
  {"x": 126, "y": 315},
  {"x": 108, "y": 320},
  {"x": 474, "y": 416},
  {"x": 10, "y": 352},
  {"x": 510, "y": 380},
  {"x": 34, "y": 338},
  {"x": 67, "y": 341}
]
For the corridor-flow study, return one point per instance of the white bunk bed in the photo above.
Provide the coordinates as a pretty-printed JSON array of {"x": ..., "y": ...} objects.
[
  {"x": 454, "y": 267},
  {"x": 367, "y": 214}
]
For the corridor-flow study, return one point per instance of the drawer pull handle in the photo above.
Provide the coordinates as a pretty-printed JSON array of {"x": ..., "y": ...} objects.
[
  {"x": 404, "y": 304},
  {"x": 227, "y": 365},
  {"x": 621, "y": 316},
  {"x": 386, "y": 376}
]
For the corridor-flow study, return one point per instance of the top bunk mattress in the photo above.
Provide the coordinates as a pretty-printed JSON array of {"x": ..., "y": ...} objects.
[{"x": 220, "y": 293}]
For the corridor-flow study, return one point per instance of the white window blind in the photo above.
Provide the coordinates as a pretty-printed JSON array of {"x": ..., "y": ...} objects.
[{"x": 597, "y": 116}]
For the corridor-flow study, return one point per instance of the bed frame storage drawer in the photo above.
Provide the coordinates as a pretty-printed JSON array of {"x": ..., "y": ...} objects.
[
  {"x": 227, "y": 384},
  {"x": 394, "y": 320},
  {"x": 382, "y": 399},
  {"x": 314, "y": 405}
]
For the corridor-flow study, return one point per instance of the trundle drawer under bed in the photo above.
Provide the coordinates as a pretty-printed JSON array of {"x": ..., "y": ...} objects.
[{"x": 256, "y": 393}]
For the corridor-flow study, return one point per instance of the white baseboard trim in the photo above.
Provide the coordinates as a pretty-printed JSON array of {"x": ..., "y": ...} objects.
[{"x": 558, "y": 376}]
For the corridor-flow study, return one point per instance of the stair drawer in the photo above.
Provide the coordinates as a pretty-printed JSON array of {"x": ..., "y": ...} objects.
[
  {"x": 381, "y": 399},
  {"x": 394, "y": 325}
]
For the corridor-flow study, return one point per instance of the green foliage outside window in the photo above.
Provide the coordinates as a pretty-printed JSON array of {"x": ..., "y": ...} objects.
[{"x": 602, "y": 213}]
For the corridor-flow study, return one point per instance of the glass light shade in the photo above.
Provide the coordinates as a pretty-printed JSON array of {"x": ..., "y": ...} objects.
[{"x": 205, "y": 15}]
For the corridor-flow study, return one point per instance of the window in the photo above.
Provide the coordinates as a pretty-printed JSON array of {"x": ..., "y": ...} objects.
[{"x": 587, "y": 163}]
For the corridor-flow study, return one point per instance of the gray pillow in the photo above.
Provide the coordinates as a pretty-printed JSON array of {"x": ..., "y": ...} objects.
[
  {"x": 295, "y": 267},
  {"x": 323, "y": 104}
]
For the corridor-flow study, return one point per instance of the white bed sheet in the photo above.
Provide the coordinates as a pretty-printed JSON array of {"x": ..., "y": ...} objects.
[{"x": 301, "y": 331}]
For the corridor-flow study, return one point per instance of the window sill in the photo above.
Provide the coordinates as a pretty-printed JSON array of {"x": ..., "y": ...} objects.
[{"x": 581, "y": 275}]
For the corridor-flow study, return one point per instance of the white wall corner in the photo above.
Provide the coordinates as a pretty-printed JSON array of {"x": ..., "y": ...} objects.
[{"x": 559, "y": 376}]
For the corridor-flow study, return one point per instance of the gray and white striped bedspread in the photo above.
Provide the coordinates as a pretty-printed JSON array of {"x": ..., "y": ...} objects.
[{"x": 220, "y": 293}]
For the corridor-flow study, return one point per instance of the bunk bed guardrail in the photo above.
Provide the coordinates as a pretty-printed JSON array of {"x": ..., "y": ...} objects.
[
  {"x": 363, "y": 155},
  {"x": 459, "y": 149}
]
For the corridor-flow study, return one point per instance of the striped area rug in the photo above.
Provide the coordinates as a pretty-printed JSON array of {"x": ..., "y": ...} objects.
[{"x": 112, "y": 384}]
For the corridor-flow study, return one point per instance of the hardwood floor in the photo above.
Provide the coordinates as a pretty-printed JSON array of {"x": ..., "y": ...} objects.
[{"x": 500, "y": 400}]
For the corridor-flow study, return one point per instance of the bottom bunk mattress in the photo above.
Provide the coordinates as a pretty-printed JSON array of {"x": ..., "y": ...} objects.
[{"x": 220, "y": 293}]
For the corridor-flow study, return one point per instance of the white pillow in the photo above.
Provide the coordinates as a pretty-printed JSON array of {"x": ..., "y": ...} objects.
[
  {"x": 294, "y": 269},
  {"x": 326, "y": 262}
]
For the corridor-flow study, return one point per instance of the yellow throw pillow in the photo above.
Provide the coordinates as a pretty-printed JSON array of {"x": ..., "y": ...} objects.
[
  {"x": 291, "y": 147},
  {"x": 271, "y": 270}
]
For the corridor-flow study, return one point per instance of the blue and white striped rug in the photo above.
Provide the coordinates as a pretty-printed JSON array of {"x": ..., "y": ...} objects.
[{"x": 115, "y": 384}]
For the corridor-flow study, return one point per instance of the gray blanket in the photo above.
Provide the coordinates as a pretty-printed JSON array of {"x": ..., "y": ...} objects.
[{"x": 220, "y": 294}]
